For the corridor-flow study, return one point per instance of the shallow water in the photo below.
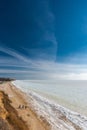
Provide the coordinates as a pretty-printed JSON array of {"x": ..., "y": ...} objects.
[
  {"x": 48, "y": 101},
  {"x": 70, "y": 94}
]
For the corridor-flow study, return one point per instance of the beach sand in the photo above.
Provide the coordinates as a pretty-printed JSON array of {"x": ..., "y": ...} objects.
[
  {"x": 16, "y": 112},
  {"x": 12, "y": 116}
]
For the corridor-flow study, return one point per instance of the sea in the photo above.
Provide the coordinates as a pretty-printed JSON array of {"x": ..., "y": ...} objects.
[{"x": 68, "y": 96}]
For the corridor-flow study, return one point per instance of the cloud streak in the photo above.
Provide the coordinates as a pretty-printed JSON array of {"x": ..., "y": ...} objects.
[
  {"x": 40, "y": 69},
  {"x": 45, "y": 20},
  {"x": 43, "y": 65},
  {"x": 13, "y": 53}
]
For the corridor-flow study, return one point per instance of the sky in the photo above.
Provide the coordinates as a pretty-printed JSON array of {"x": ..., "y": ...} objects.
[{"x": 43, "y": 39}]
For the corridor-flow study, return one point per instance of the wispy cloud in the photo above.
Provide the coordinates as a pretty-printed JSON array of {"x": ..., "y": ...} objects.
[
  {"x": 45, "y": 21},
  {"x": 41, "y": 69},
  {"x": 13, "y": 53},
  {"x": 43, "y": 65}
]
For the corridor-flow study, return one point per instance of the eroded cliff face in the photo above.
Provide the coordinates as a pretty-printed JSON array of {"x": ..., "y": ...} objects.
[
  {"x": 9, "y": 119},
  {"x": 4, "y": 125}
]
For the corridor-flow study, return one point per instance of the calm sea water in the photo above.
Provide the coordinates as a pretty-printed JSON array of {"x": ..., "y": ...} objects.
[{"x": 70, "y": 94}]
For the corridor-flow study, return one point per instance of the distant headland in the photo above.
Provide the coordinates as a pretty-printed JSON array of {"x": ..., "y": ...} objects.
[{"x": 6, "y": 79}]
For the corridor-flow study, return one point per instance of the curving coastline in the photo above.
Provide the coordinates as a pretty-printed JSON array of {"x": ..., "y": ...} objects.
[
  {"x": 58, "y": 116},
  {"x": 30, "y": 111}
]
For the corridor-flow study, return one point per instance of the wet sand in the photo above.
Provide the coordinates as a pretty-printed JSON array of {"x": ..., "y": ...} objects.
[{"x": 15, "y": 112}]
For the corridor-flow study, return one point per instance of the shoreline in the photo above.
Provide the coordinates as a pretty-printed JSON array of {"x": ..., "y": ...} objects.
[
  {"x": 35, "y": 119},
  {"x": 58, "y": 116},
  {"x": 60, "y": 92}
]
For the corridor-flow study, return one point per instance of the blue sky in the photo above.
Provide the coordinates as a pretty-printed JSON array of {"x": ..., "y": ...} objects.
[{"x": 43, "y": 39}]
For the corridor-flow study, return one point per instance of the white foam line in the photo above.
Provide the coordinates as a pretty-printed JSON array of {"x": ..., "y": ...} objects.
[
  {"x": 50, "y": 110},
  {"x": 74, "y": 117}
]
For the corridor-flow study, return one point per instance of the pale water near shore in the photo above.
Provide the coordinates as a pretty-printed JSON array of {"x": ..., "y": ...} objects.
[{"x": 69, "y": 94}]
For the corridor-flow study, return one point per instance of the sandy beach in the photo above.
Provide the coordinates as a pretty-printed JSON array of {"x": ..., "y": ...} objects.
[{"x": 15, "y": 113}]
